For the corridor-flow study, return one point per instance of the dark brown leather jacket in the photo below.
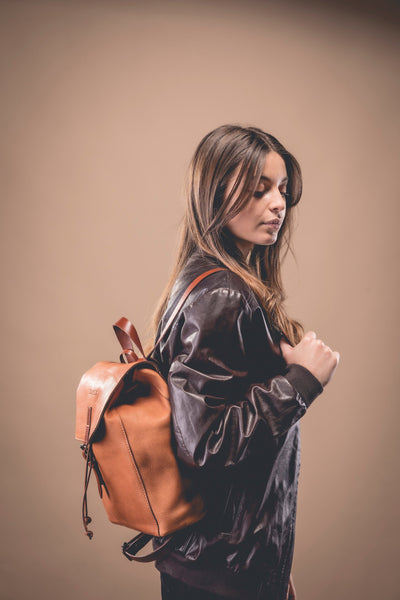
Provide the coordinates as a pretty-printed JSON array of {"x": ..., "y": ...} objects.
[{"x": 236, "y": 407}]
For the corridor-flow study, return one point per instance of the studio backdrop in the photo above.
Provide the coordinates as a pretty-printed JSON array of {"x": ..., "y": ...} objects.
[{"x": 103, "y": 104}]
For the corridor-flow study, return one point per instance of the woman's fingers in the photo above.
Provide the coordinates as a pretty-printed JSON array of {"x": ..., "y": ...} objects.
[
  {"x": 284, "y": 344},
  {"x": 313, "y": 354},
  {"x": 285, "y": 349}
]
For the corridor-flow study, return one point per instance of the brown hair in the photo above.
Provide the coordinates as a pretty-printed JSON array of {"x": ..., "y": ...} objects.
[{"x": 223, "y": 151}]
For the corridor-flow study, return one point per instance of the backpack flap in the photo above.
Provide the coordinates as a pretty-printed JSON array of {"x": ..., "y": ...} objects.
[{"x": 95, "y": 392}]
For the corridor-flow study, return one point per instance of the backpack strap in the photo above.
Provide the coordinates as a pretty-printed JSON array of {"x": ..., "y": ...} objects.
[
  {"x": 181, "y": 302},
  {"x": 128, "y": 336},
  {"x": 131, "y": 548}
]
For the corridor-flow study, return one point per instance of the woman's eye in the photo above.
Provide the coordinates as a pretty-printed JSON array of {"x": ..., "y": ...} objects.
[{"x": 261, "y": 193}]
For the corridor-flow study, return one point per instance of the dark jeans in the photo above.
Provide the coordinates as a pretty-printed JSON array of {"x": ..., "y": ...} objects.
[{"x": 173, "y": 589}]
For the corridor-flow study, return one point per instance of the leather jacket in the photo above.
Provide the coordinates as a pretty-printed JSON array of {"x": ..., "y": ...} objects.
[{"x": 236, "y": 406}]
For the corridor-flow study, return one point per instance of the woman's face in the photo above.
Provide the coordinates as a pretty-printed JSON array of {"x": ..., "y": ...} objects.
[{"x": 261, "y": 218}]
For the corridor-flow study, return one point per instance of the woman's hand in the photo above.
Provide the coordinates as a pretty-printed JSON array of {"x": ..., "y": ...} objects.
[
  {"x": 291, "y": 592},
  {"x": 312, "y": 354}
]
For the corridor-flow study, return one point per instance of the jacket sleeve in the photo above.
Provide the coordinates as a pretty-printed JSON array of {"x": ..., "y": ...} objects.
[{"x": 219, "y": 413}]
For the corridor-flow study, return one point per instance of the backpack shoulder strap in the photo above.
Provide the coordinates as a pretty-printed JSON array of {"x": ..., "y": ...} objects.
[
  {"x": 181, "y": 302},
  {"x": 126, "y": 332}
]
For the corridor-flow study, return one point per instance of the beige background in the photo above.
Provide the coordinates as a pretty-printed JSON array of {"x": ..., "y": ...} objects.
[{"x": 103, "y": 104}]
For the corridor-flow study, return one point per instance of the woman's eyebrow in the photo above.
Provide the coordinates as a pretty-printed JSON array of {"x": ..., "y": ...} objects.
[{"x": 284, "y": 180}]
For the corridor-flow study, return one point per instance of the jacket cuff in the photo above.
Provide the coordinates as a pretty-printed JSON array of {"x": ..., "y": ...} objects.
[{"x": 304, "y": 382}]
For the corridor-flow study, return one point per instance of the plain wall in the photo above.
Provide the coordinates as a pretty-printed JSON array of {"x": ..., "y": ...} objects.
[{"x": 103, "y": 104}]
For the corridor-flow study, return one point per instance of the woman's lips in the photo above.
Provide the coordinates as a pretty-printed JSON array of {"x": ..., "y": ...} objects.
[{"x": 273, "y": 224}]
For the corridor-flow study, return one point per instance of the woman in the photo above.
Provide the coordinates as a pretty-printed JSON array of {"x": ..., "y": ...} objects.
[{"x": 240, "y": 371}]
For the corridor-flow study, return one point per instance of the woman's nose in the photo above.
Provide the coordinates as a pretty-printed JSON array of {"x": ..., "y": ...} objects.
[{"x": 277, "y": 201}]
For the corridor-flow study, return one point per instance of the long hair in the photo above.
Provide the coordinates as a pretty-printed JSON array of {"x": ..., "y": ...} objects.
[{"x": 220, "y": 154}]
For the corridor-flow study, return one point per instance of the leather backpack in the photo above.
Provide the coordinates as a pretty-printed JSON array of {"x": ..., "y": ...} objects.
[{"x": 123, "y": 418}]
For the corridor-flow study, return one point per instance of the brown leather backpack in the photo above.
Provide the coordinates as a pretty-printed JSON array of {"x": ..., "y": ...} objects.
[{"x": 123, "y": 418}]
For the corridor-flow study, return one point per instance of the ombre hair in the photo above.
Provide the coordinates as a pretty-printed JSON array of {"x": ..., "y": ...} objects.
[{"x": 224, "y": 152}]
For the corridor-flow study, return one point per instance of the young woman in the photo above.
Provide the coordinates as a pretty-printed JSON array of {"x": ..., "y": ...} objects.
[{"x": 240, "y": 372}]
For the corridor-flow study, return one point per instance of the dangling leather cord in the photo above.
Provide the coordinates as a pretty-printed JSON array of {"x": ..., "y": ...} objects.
[
  {"x": 87, "y": 453},
  {"x": 85, "y": 517}
]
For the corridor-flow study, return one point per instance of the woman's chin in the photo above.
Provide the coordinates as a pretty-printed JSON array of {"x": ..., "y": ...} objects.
[{"x": 268, "y": 240}]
